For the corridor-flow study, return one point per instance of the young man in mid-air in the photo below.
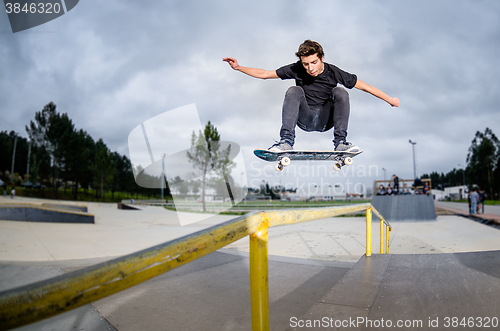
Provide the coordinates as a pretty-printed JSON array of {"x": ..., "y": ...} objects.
[{"x": 316, "y": 103}]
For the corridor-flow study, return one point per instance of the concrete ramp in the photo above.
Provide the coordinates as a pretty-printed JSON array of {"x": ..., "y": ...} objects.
[
  {"x": 125, "y": 206},
  {"x": 38, "y": 213},
  {"x": 82, "y": 209},
  {"x": 405, "y": 207}
]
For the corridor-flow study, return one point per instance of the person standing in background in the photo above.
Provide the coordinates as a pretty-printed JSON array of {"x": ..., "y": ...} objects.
[
  {"x": 474, "y": 197},
  {"x": 395, "y": 180}
]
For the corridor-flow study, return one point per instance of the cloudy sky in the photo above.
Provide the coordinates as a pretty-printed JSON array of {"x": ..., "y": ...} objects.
[{"x": 112, "y": 65}]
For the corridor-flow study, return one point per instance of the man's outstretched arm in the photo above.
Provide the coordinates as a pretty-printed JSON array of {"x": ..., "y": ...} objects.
[
  {"x": 376, "y": 92},
  {"x": 254, "y": 72}
]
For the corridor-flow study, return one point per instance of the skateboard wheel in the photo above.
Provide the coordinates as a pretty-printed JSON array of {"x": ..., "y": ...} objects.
[
  {"x": 348, "y": 161},
  {"x": 278, "y": 167},
  {"x": 336, "y": 166},
  {"x": 285, "y": 161}
]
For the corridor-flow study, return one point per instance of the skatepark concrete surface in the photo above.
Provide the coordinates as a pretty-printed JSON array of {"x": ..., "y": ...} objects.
[{"x": 307, "y": 262}]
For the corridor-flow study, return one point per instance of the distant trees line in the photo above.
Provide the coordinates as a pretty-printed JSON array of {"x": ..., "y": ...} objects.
[
  {"x": 57, "y": 154},
  {"x": 482, "y": 168},
  {"x": 60, "y": 155}
]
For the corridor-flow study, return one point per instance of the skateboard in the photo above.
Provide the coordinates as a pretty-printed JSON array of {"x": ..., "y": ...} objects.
[{"x": 285, "y": 158}]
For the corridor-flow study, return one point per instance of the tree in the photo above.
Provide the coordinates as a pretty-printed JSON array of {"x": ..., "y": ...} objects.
[
  {"x": 7, "y": 143},
  {"x": 61, "y": 152},
  {"x": 39, "y": 165},
  {"x": 496, "y": 179},
  {"x": 124, "y": 177},
  {"x": 52, "y": 131},
  {"x": 78, "y": 160},
  {"x": 207, "y": 154},
  {"x": 103, "y": 165},
  {"x": 267, "y": 190},
  {"x": 195, "y": 186},
  {"x": 483, "y": 159},
  {"x": 452, "y": 178}
]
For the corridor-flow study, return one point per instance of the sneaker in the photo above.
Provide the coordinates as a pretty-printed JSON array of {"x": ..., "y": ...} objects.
[
  {"x": 345, "y": 146},
  {"x": 281, "y": 147}
]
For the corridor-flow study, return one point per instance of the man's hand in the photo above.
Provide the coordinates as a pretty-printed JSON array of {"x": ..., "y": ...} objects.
[
  {"x": 232, "y": 62},
  {"x": 254, "y": 72},
  {"x": 394, "y": 102}
]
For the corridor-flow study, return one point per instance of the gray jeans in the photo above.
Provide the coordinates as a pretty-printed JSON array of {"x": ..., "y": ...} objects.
[{"x": 296, "y": 112}]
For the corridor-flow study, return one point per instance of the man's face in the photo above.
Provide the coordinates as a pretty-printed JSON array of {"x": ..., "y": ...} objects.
[{"x": 313, "y": 64}]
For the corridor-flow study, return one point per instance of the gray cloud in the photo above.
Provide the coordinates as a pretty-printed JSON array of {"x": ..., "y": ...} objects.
[{"x": 115, "y": 65}]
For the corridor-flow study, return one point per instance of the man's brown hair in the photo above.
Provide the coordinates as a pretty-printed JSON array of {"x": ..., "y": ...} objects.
[{"x": 310, "y": 47}]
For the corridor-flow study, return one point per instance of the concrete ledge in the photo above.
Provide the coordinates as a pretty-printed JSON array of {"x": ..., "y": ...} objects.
[{"x": 38, "y": 213}]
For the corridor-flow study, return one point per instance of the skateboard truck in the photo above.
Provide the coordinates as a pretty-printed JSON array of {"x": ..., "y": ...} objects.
[
  {"x": 283, "y": 162},
  {"x": 341, "y": 163}
]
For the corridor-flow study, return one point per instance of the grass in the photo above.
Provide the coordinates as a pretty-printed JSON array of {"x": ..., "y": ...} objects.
[
  {"x": 243, "y": 208},
  {"x": 90, "y": 196},
  {"x": 86, "y": 196},
  {"x": 293, "y": 203}
]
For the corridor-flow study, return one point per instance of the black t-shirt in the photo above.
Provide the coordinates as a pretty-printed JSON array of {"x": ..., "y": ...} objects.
[{"x": 317, "y": 89}]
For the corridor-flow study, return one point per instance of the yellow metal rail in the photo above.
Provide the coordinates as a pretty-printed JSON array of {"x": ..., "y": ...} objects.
[{"x": 34, "y": 302}]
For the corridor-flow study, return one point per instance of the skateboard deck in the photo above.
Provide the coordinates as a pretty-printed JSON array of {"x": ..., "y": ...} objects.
[{"x": 284, "y": 158}]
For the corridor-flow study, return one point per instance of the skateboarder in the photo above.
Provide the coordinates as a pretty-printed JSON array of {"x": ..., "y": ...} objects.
[{"x": 316, "y": 103}]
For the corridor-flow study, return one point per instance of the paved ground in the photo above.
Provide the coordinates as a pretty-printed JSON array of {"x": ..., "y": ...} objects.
[
  {"x": 212, "y": 293},
  {"x": 115, "y": 233},
  {"x": 491, "y": 214},
  {"x": 495, "y": 210},
  {"x": 412, "y": 292}
]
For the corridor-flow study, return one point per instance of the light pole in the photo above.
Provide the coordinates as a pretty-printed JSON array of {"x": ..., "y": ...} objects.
[
  {"x": 13, "y": 160},
  {"x": 241, "y": 181},
  {"x": 163, "y": 176},
  {"x": 28, "y": 166},
  {"x": 384, "y": 172},
  {"x": 414, "y": 166}
]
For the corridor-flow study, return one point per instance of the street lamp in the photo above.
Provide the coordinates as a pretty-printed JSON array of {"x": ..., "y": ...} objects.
[
  {"x": 163, "y": 175},
  {"x": 13, "y": 159},
  {"x": 28, "y": 166},
  {"x": 241, "y": 181},
  {"x": 414, "y": 166}
]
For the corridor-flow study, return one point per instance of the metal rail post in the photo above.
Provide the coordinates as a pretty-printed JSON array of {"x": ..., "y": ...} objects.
[
  {"x": 387, "y": 229},
  {"x": 369, "y": 232},
  {"x": 382, "y": 227},
  {"x": 259, "y": 286}
]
